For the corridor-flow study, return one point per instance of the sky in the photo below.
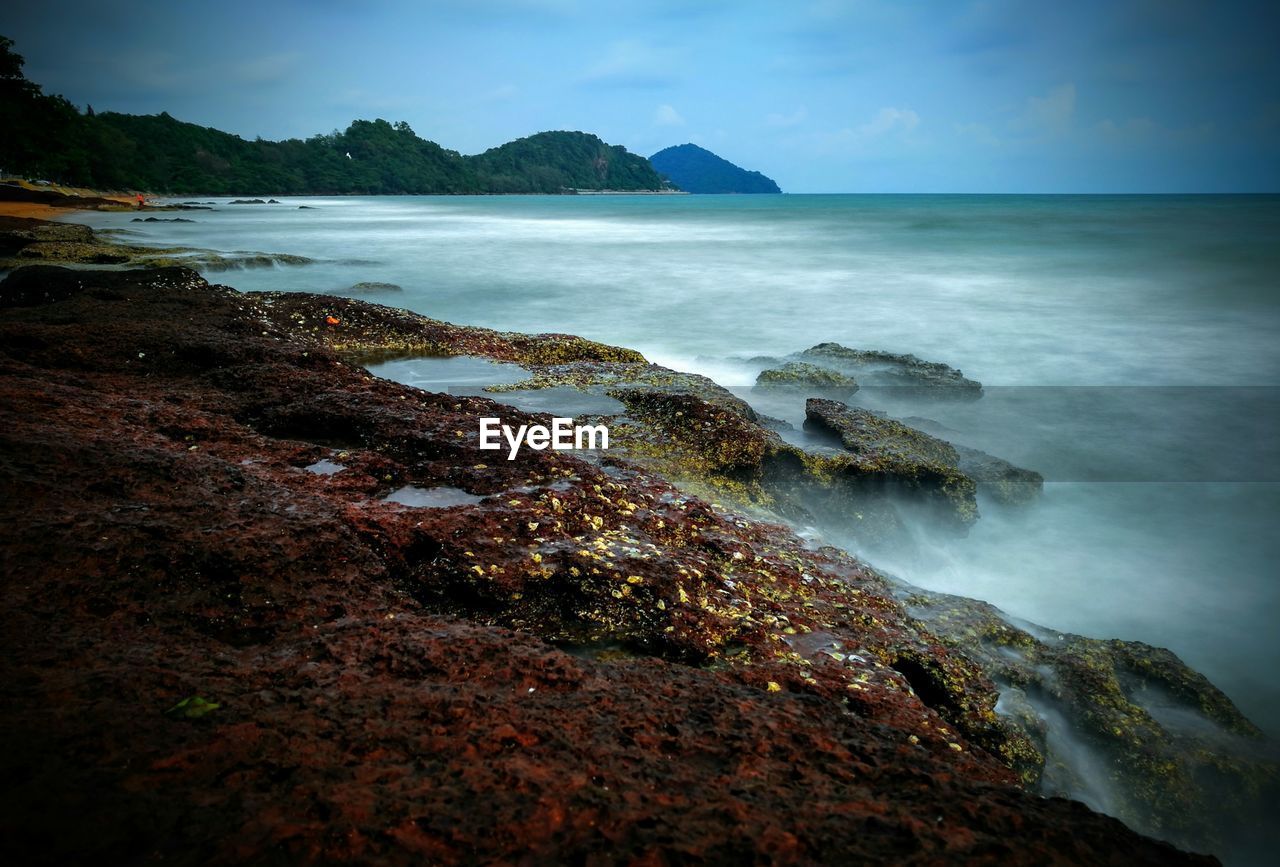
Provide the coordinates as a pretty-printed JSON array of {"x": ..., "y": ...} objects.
[{"x": 822, "y": 96}]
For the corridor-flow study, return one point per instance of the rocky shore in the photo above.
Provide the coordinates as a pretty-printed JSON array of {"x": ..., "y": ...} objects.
[
  {"x": 229, "y": 640},
  {"x": 25, "y": 241}
]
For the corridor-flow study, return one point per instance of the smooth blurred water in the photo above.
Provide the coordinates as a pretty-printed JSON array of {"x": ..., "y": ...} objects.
[
  {"x": 1034, "y": 290},
  {"x": 1158, "y": 522}
]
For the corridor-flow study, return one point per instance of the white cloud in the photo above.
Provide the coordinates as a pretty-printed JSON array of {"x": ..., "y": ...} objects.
[
  {"x": 665, "y": 115},
  {"x": 796, "y": 118}
]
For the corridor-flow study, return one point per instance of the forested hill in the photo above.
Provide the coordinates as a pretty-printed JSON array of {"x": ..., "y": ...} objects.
[
  {"x": 47, "y": 137},
  {"x": 697, "y": 170},
  {"x": 549, "y": 161}
]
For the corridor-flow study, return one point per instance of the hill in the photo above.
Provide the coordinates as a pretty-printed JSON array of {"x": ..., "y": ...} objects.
[
  {"x": 697, "y": 170},
  {"x": 549, "y": 161},
  {"x": 48, "y": 137}
]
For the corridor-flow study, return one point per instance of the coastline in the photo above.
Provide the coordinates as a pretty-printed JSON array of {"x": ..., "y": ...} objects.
[
  {"x": 688, "y": 431},
  {"x": 23, "y": 199},
  {"x": 217, "y": 478},
  {"x": 33, "y": 230},
  {"x": 919, "y": 670}
]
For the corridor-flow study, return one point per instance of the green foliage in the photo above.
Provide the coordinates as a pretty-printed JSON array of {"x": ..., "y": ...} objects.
[
  {"x": 47, "y": 137},
  {"x": 696, "y": 170},
  {"x": 551, "y": 161}
]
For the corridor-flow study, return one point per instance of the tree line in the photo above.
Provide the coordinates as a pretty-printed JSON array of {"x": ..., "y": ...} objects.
[{"x": 48, "y": 137}]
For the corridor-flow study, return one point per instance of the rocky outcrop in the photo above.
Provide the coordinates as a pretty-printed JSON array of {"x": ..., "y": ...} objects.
[
  {"x": 59, "y": 198},
  {"x": 893, "y": 370},
  {"x": 1001, "y": 480},
  {"x": 709, "y": 441},
  {"x": 223, "y": 642},
  {"x": 370, "y": 287},
  {"x": 73, "y": 198},
  {"x": 1182, "y": 762},
  {"x": 682, "y": 425},
  {"x": 890, "y": 453},
  {"x": 28, "y": 242},
  {"x": 799, "y": 376}
]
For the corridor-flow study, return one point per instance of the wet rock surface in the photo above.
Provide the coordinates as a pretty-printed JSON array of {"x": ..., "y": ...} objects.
[
  {"x": 215, "y": 652},
  {"x": 892, "y": 453},
  {"x": 905, "y": 447},
  {"x": 1001, "y": 480},
  {"x": 28, "y": 242},
  {"x": 369, "y": 287},
  {"x": 888, "y": 369},
  {"x": 797, "y": 375},
  {"x": 1004, "y": 482},
  {"x": 1183, "y": 762}
]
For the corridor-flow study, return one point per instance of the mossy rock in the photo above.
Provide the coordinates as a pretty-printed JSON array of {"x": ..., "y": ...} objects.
[
  {"x": 798, "y": 375},
  {"x": 70, "y": 244},
  {"x": 1184, "y": 762},
  {"x": 900, "y": 457},
  {"x": 365, "y": 287},
  {"x": 875, "y": 367}
]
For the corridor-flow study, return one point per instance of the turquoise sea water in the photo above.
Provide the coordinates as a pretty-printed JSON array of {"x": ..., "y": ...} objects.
[{"x": 1130, "y": 345}]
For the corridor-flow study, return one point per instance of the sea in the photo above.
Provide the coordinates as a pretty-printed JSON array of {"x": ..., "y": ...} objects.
[{"x": 1129, "y": 347}]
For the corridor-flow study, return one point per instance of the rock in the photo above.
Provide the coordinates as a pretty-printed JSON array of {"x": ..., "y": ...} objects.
[
  {"x": 1001, "y": 480},
  {"x": 38, "y": 241},
  {"x": 797, "y": 375},
  {"x": 272, "y": 202},
  {"x": 159, "y": 220},
  {"x": 305, "y": 208},
  {"x": 1182, "y": 762},
  {"x": 365, "y": 287},
  {"x": 58, "y": 199},
  {"x": 887, "y": 369},
  {"x": 899, "y": 457},
  {"x": 996, "y": 477},
  {"x": 374, "y": 332},
  {"x": 711, "y": 442},
  {"x": 247, "y": 202},
  {"x": 378, "y": 683}
]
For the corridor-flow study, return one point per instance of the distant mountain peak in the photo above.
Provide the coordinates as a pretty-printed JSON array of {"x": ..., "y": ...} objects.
[{"x": 697, "y": 170}]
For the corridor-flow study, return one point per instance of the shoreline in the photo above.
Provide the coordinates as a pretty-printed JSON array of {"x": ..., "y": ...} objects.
[
  {"x": 26, "y": 200},
  {"x": 584, "y": 627},
  {"x": 687, "y": 432},
  {"x": 36, "y": 233}
]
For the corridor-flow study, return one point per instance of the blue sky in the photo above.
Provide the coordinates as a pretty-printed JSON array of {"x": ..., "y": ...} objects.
[{"x": 823, "y": 96}]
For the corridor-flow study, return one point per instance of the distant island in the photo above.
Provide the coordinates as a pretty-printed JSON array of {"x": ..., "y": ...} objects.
[
  {"x": 48, "y": 137},
  {"x": 697, "y": 170}
]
